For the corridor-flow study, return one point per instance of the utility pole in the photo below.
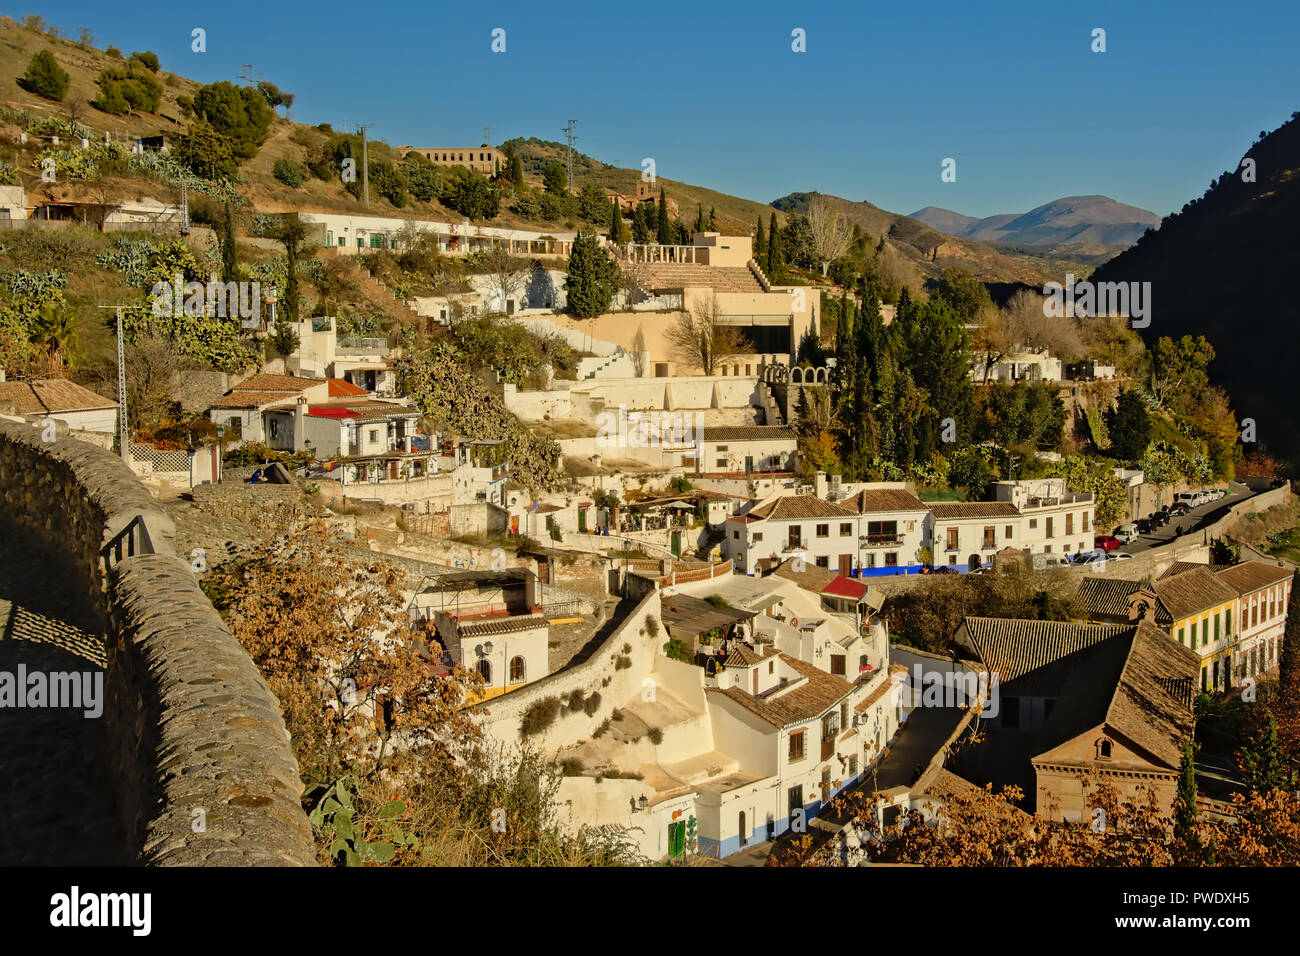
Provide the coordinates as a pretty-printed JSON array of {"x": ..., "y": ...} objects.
[
  {"x": 124, "y": 439},
  {"x": 487, "y": 135},
  {"x": 365, "y": 163},
  {"x": 570, "y": 139},
  {"x": 246, "y": 72},
  {"x": 185, "y": 210}
]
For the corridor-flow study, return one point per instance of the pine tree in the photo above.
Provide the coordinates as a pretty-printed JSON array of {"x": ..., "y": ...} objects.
[
  {"x": 1261, "y": 759},
  {"x": 665, "y": 232},
  {"x": 1185, "y": 805},
  {"x": 1288, "y": 679},
  {"x": 229, "y": 261},
  {"x": 592, "y": 278},
  {"x": 760, "y": 242},
  {"x": 775, "y": 264}
]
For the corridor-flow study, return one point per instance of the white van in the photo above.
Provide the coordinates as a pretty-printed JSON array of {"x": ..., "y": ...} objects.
[
  {"x": 1190, "y": 498},
  {"x": 1126, "y": 533}
]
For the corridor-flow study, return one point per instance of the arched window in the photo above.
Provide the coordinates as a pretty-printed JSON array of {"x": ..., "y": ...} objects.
[
  {"x": 485, "y": 670},
  {"x": 1103, "y": 748},
  {"x": 516, "y": 668}
]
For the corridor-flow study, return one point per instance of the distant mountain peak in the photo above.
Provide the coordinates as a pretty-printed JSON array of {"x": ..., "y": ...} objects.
[{"x": 1086, "y": 224}]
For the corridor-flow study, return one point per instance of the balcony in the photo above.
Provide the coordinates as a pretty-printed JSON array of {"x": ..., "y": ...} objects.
[{"x": 879, "y": 540}]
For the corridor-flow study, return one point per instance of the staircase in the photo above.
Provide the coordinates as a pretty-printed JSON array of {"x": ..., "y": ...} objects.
[
  {"x": 771, "y": 408},
  {"x": 378, "y": 292}
]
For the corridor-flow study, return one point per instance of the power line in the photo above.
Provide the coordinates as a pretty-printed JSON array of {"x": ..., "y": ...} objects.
[{"x": 570, "y": 139}]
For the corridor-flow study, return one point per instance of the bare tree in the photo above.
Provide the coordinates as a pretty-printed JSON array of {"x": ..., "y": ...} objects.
[
  {"x": 1026, "y": 325},
  {"x": 639, "y": 358},
  {"x": 506, "y": 275},
  {"x": 699, "y": 339},
  {"x": 831, "y": 233}
]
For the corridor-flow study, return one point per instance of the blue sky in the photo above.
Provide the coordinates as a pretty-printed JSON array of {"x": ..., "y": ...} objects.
[{"x": 714, "y": 93}]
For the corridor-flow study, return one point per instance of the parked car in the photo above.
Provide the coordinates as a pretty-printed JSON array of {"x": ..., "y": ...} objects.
[
  {"x": 1106, "y": 542},
  {"x": 1121, "y": 556},
  {"x": 946, "y": 569},
  {"x": 1145, "y": 525},
  {"x": 1126, "y": 533},
  {"x": 1090, "y": 557},
  {"x": 1178, "y": 509},
  {"x": 1160, "y": 519},
  {"x": 1189, "y": 499}
]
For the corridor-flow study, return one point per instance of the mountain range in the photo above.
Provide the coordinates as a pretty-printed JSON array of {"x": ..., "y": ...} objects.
[{"x": 1091, "y": 226}]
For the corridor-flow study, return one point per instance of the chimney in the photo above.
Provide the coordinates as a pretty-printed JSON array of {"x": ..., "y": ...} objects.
[
  {"x": 820, "y": 484},
  {"x": 300, "y": 424}
]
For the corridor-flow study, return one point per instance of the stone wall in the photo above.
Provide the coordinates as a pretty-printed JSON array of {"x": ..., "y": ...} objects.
[{"x": 190, "y": 722}]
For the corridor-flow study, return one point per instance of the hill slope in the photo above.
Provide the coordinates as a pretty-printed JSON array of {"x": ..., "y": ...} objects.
[
  {"x": 1084, "y": 225},
  {"x": 1223, "y": 268}
]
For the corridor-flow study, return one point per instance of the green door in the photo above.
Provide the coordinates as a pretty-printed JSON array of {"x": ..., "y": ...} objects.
[
  {"x": 677, "y": 543},
  {"x": 676, "y": 839},
  {"x": 582, "y": 520}
]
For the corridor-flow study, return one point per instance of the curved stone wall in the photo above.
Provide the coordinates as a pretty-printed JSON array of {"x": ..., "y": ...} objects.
[{"x": 206, "y": 774}]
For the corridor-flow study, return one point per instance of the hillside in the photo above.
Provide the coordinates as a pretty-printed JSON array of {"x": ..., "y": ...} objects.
[
  {"x": 927, "y": 252},
  {"x": 1088, "y": 226},
  {"x": 1222, "y": 268}
]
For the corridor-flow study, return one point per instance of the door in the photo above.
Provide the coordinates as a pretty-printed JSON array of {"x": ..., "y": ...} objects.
[
  {"x": 749, "y": 464},
  {"x": 837, "y": 664},
  {"x": 743, "y": 829},
  {"x": 677, "y": 543},
  {"x": 676, "y": 839},
  {"x": 846, "y": 565},
  {"x": 582, "y": 520}
]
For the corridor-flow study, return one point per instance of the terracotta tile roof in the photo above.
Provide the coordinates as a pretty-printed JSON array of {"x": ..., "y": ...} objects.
[
  {"x": 846, "y": 588},
  {"x": 51, "y": 395},
  {"x": 1178, "y": 567},
  {"x": 870, "y": 500},
  {"x": 1104, "y": 597},
  {"x": 268, "y": 382},
  {"x": 1192, "y": 591},
  {"x": 794, "y": 507},
  {"x": 884, "y": 688},
  {"x": 808, "y": 701},
  {"x": 1138, "y": 684},
  {"x": 341, "y": 388},
  {"x": 741, "y": 656},
  {"x": 973, "y": 509},
  {"x": 1031, "y": 658},
  {"x": 1252, "y": 575},
  {"x": 248, "y": 399},
  {"x": 502, "y": 625},
  {"x": 748, "y": 433},
  {"x": 811, "y": 578}
]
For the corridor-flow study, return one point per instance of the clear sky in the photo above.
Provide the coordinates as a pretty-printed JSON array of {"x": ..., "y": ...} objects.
[{"x": 714, "y": 93}]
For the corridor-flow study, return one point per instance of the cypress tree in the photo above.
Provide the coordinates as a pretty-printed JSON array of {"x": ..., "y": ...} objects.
[
  {"x": 713, "y": 219},
  {"x": 1261, "y": 759},
  {"x": 229, "y": 263},
  {"x": 775, "y": 264},
  {"x": 699, "y": 217},
  {"x": 665, "y": 232},
  {"x": 1288, "y": 665},
  {"x": 760, "y": 242},
  {"x": 615, "y": 220},
  {"x": 640, "y": 228},
  {"x": 1185, "y": 806}
]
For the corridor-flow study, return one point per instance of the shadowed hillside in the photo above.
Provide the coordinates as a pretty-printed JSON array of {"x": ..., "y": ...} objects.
[{"x": 1222, "y": 268}]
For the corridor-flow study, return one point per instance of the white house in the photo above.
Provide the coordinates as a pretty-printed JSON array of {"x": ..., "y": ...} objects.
[
  {"x": 61, "y": 400},
  {"x": 894, "y": 529},
  {"x": 968, "y": 533},
  {"x": 823, "y": 533},
  {"x": 363, "y": 361},
  {"x": 1263, "y": 592},
  {"x": 1053, "y": 520}
]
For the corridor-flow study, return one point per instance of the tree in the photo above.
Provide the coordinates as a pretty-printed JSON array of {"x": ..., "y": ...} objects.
[
  {"x": 1261, "y": 760},
  {"x": 290, "y": 232},
  {"x": 713, "y": 219},
  {"x": 506, "y": 275},
  {"x": 284, "y": 339},
  {"x": 274, "y": 96},
  {"x": 639, "y": 354},
  {"x": 760, "y": 242},
  {"x": 148, "y": 59},
  {"x": 1180, "y": 371},
  {"x": 615, "y": 220},
  {"x": 592, "y": 278},
  {"x": 1185, "y": 812},
  {"x": 775, "y": 262},
  {"x": 54, "y": 331},
  {"x": 45, "y": 77},
  {"x": 830, "y": 231},
  {"x": 288, "y": 172},
  {"x": 665, "y": 234},
  {"x": 514, "y": 168},
  {"x": 1288, "y": 674},
  {"x": 240, "y": 113},
  {"x": 967, "y": 295},
  {"x": 130, "y": 86},
  {"x": 229, "y": 255},
  {"x": 699, "y": 339},
  {"x": 1129, "y": 426},
  {"x": 207, "y": 153},
  {"x": 555, "y": 180},
  {"x": 640, "y": 228}
]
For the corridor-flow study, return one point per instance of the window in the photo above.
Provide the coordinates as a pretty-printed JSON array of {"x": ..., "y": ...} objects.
[
  {"x": 1193, "y": 644},
  {"x": 516, "y": 668},
  {"x": 1049, "y": 528},
  {"x": 771, "y": 667},
  {"x": 1216, "y": 627},
  {"x": 1182, "y": 635},
  {"x": 990, "y": 536},
  {"x": 374, "y": 435},
  {"x": 853, "y": 766},
  {"x": 735, "y": 536},
  {"x": 846, "y": 529},
  {"x": 485, "y": 670},
  {"x": 758, "y": 536},
  {"x": 830, "y": 725},
  {"x": 823, "y": 530},
  {"x": 796, "y": 536},
  {"x": 1008, "y": 533},
  {"x": 823, "y": 562},
  {"x": 891, "y": 559},
  {"x": 1104, "y": 749},
  {"x": 796, "y": 746},
  {"x": 1069, "y": 523},
  {"x": 1033, "y": 522},
  {"x": 952, "y": 559},
  {"x": 1085, "y": 521},
  {"x": 886, "y": 531},
  {"x": 721, "y": 463},
  {"x": 952, "y": 539}
]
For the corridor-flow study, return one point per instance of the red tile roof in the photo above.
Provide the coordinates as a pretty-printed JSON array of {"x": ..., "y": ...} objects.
[
  {"x": 846, "y": 587},
  {"x": 341, "y": 388}
]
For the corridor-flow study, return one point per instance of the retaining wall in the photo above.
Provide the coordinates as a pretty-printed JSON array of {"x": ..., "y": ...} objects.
[{"x": 190, "y": 721}]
